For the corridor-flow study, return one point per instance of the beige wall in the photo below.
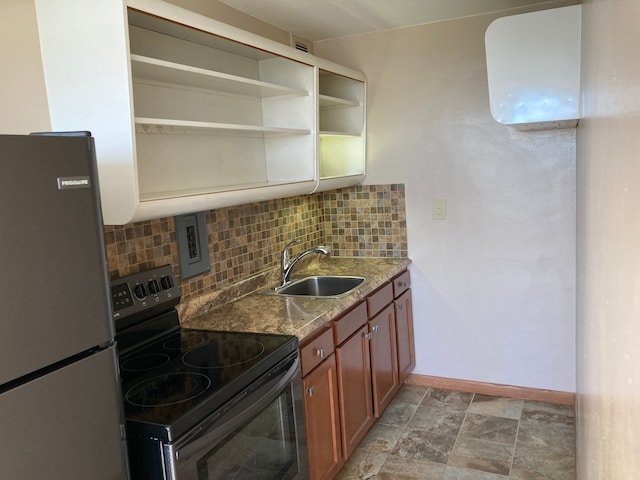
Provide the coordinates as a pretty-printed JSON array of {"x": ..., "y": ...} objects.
[
  {"x": 494, "y": 282},
  {"x": 608, "y": 241},
  {"x": 23, "y": 100}
]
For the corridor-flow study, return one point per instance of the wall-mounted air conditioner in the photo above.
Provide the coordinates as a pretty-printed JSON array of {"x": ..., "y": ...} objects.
[{"x": 533, "y": 68}]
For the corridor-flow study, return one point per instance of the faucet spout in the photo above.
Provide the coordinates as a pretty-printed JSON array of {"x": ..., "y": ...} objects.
[{"x": 287, "y": 264}]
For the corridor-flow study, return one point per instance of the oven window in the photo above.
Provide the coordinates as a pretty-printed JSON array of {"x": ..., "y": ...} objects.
[{"x": 264, "y": 448}]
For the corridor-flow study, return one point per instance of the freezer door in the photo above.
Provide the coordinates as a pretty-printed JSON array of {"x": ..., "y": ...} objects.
[
  {"x": 54, "y": 289},
  {"x": 65, "y": 425}
]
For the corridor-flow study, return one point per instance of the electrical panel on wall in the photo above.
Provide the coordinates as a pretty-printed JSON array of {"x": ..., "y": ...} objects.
[
  {"x": 533, "y": 69},
  {"x": 193, "y": 245}
]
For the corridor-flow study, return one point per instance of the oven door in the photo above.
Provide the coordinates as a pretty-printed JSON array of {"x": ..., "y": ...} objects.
[{"x": 259, "y": 434}]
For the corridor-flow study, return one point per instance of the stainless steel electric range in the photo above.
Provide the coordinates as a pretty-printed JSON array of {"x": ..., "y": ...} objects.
[{"x": 204, "y": 404}]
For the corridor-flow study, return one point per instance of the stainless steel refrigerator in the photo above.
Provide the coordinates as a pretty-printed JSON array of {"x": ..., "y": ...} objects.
[{"x": 60, "y": 402}]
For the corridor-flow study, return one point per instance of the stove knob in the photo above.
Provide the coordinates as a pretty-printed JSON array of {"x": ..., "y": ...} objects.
[
  {"x": 140, "y": 291},
  {"x": 154, "y": 286},
  {"x": 166, "y": 282}
]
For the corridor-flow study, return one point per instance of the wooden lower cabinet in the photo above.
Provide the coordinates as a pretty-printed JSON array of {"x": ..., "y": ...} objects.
[
  {"x": 322, "y": 420},
  {"x": 404, "y": 334},
  {"x": 352, "y": 371},
  {"x": 354, "y": 386},
  {"x": 384, "y": 359}
]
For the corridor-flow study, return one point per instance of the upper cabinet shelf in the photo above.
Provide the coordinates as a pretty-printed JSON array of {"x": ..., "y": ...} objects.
[
  {"x": 327, "y": 133},
  {"x": 327, "y": 102},
  {"x": 191, "y": 114},
  {"x": 163, "y": 126},
  {"x": 153, "y": 69}
]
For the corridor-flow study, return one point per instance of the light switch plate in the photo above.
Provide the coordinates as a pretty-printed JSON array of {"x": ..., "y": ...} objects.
[
  {"x": 438, "y": 209},
  {"x": 193, "y": 244}
]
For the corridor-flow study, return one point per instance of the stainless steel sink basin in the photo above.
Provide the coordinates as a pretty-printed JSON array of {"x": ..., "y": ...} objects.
[{"x": 324, "y": 286}]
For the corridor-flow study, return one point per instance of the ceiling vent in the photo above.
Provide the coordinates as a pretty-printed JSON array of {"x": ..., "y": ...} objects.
[{"x": 301, "y": 44}]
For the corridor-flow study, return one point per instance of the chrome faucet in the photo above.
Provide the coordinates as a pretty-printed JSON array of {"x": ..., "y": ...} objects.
[{"x": 287, "y": 264}]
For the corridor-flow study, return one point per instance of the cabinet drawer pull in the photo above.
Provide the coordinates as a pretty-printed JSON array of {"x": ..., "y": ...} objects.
[
  {"x": 375, "y": 329},
  {"x": 403, "y": 284},
  {"x": 310, "y": 391},
  {"x": 320, "y": 352}
]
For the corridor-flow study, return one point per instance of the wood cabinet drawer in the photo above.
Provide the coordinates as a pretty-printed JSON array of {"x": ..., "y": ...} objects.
[
  {"x": 401, "y": 283},
  {"x": 349, "y": 323},
  {"x": 314, "y": 352},
  {"x": 380, "y": 299}
]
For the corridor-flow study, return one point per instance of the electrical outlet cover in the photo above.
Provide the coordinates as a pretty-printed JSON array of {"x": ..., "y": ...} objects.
[
  {"x": 193, "y": 245},
  {"x": 438, "y": 209}
]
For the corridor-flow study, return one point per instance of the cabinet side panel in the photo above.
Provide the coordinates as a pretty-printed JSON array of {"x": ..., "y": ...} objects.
[{"x": 85, "y": 57}]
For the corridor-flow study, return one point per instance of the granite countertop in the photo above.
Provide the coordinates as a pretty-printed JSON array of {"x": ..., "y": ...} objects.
[{"x": 298, "y": 316}]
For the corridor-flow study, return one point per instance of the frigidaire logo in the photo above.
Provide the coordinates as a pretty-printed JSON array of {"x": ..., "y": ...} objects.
[{"x": 65, "y": 183}]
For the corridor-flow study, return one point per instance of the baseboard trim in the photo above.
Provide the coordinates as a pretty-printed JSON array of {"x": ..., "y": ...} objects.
[{"x": 526, "y": 393}]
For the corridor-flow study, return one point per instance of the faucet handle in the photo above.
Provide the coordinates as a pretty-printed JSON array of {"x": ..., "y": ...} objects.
[
  {"x": 285, "y": 252},
  {"x": 295, "y": 241}
]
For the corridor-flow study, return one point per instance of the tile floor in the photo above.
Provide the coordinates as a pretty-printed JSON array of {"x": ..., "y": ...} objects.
[{"x": 434, "y": 434}]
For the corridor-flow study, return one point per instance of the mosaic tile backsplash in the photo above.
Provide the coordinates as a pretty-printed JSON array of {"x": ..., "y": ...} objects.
[{"x": 360, "y": 221}]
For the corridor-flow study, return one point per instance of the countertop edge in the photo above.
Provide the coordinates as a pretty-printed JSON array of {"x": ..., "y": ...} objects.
[{"x": 298, "y": 316}]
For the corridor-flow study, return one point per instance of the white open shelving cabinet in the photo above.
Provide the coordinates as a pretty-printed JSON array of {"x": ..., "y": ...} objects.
[
  {"x": 191, "y": 114},
  {"x": 342, "y": 135}
]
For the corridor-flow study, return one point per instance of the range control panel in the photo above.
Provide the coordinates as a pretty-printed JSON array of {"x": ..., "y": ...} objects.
[{"x": 145, "y": 293}]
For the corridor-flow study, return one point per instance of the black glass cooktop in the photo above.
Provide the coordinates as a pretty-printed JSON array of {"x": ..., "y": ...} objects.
[{"x": 177, "y": 380}]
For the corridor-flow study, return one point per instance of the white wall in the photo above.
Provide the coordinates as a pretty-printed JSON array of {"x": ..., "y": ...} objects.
[
  {"x": 494, "y": 283},
  {"x": 608, "y": 239},
  {"x": 23, "y": 99}
]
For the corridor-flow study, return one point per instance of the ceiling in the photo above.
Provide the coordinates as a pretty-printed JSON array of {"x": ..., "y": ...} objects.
[{"x": 322, "y": 19}]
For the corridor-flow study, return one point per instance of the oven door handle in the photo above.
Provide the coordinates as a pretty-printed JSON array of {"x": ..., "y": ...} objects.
[{"x": 204, "y": 438}]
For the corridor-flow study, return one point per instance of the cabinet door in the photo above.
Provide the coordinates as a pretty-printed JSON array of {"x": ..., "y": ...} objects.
[
  {"x": 322, "y": 420},
  {"x": 404, "y": 333},
  {"x": 384, "y": 360},
  {"x": 354, "y": 386}
]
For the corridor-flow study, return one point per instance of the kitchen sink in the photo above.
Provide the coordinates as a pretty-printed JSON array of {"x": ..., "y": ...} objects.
[{"x": 324, "y": 286}]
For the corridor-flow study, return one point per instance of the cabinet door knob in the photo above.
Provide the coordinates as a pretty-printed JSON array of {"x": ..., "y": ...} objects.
[
  {"x": 399, "y": 306},
  {"x": 310, "y": 391},
  {"x": 375, "y": 329},
  {"x": 320, "y": 352},
  {"x": 367, "y": 336}
]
